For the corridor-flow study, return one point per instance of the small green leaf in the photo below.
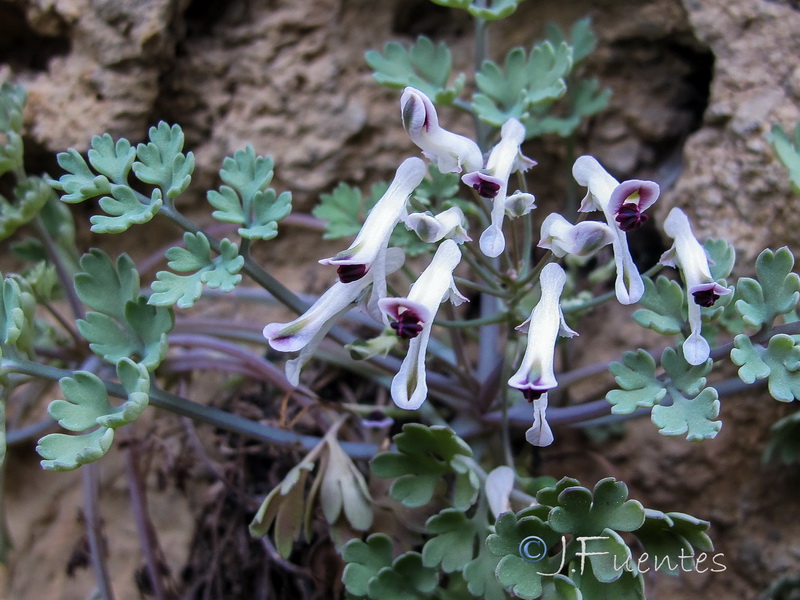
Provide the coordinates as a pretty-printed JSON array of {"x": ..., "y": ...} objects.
[
  {"x": 424, "y": 66},
  {"x": 775, "y": 293},
  {"x": 31, "y": 195},
  {"x": 87, "y": 406},
  {"x": 246, "y": 199},
  {"x": 694, "y": 417},
  {"x": 683, "y": 377},
  {"x": 125, "y": 208},
  {"x": 453, "y": 541},
  {"x": 423, "y": 456},
  {"x": 12, "y": 102},
  {"x": 79, "y": 183},
  {"x": 636, "y": 375},
  {"x": 663, "y": 303},
  {"x": 666, "y": 537},
  {"x": 780, "y": 361},
  {"x": 722, "y": 258},
  {"x": 406, "y": 579},
  {"x": 510, "y": 541},
  {"x": 17, "y": 309},
  {"x": 480, "y": 576},
  {"x": 581, "y": 512},
  {"x": 364, "y": 561},
  {"x": 121, "y": 324},
  {"x": 162, "y": 162},
  {"x": 114, "y": 160},
  {"x": 627, "y": 587},
  {"x": 588, "y": 99},
  {"x": 220, "y": 272}
]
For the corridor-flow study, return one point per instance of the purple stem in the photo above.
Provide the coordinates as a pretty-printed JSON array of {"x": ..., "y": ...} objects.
[
  {"x": 267, "y": 370},
  {"x": 144, "y": 527}
]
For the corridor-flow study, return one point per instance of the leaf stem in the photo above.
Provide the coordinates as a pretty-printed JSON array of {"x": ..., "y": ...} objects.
[{"x": 199, "y": 412}]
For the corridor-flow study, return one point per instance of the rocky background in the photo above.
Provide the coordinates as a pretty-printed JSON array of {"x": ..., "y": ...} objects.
[{"x": 697, "y": 85}]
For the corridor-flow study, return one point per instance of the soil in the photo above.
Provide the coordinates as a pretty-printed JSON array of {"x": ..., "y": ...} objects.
[{"x": 697, "y": 86}]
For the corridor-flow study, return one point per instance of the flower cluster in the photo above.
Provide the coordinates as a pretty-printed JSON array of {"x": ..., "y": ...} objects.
[{"x": 362, "y": 268}]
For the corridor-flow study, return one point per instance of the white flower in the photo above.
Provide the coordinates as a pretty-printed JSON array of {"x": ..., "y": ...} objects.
[
  {"x": 519, "y": 204},
  {"x": 492, "y": 182},
  {"x": 536, "y": 375},
  {"x": 540, "y": 434},
  {"x": 584, "y": 239},
  {"x": 623, "y": 205},
  {"x": 413, "y": 318},
  {"x": 449, "y": 224},
  {"x": 306, "y": 331},
  {"x": 690, "y": 257},
  {"x": 368, "y": 249},
  {"x": 451, "y": 152}
]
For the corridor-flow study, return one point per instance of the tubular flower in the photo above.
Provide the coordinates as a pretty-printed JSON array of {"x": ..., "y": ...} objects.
[
  {"x": 447, "y": 224},
  {"x": 451, "y": 152},
  {"x": 690, "y": 257},
  {"x": 369, "y": 247},
  {"x": 540, "y": 434},
  {"x": 492, "y": 182},
  {"x": 535, "y": 375},
  {"x": 306, "y": 331},
  {"x": 584, "y": 239},
  {"x": 623, "y": 205},
  {"x": 413, "y": 318}
]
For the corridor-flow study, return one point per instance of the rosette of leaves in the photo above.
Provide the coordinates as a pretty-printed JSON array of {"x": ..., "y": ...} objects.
[
  {"x": 679, "y": 400},
  {"x": 86, "y": 405},
  {"x": 579, "y": 552},
  {"x": 246, "y": 199},
  {"x": 422, "y": 459},
  {"x": 121, "y": 324},
  {"x": 372, "y": 572},
  {"x": 425, "y": 66},
  {"x": 161, "y": 163},
  {"x": 338, "y": 488}
]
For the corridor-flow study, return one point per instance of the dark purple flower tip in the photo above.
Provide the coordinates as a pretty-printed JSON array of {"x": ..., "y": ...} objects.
[
  {"x": 531, "y": 395},
  {"x": 486, "y": 189},
  {"x": 630, "y": 217},
  {"x": 486, "y": 185},
  {"x": 705, "y": 298},
  {"x": 407, "y": 325},
  {"x": 351, "y": 273}
]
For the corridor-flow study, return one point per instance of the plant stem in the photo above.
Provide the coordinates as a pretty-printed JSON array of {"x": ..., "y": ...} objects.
[
  {"x": 199, "y": 412},
  {"x": 144, "y": 526},
  {"x": 270, "y": 371},
  {"x": 91, "y": 486},
  {"x": 64, "y": 277}
]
